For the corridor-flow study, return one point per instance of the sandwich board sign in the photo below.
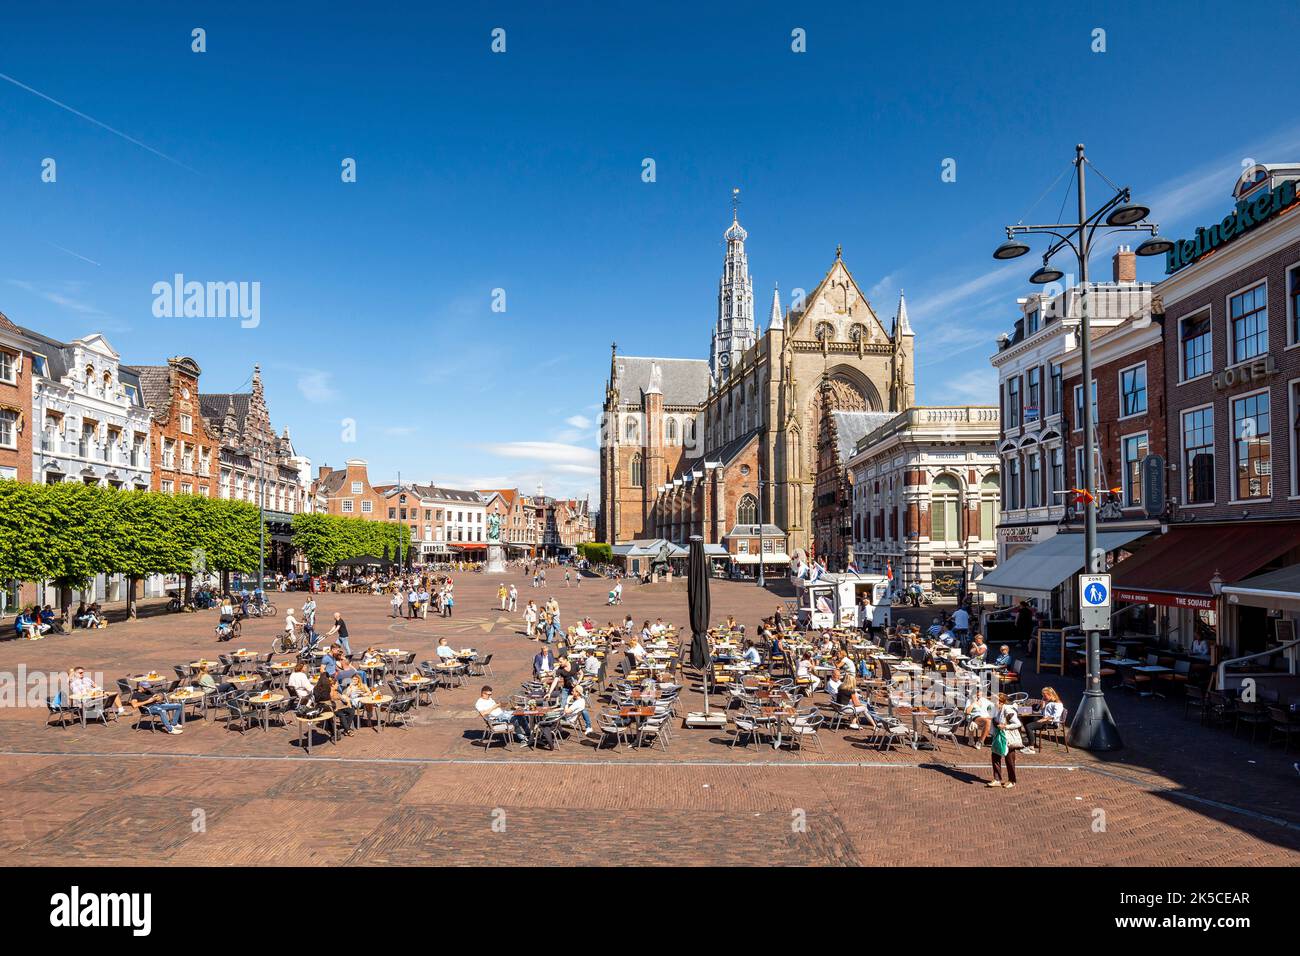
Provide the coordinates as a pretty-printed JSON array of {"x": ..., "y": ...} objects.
[{"x": 1094, "y": 602}]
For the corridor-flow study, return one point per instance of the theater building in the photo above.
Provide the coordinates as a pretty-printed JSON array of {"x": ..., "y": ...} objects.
[{"x": 1226, "y": 565}]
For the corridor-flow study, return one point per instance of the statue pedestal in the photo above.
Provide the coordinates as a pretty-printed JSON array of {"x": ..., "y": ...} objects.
[{"x": 496, "y": 559}]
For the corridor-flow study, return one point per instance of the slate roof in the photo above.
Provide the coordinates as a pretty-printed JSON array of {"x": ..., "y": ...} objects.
[
  {"x": 685, "y": 381},
  {"x": 850, "y": 427},
  {"x": 213, "y": 407},
  {"x": 155, "y": 387},
  {"x": 728, "y": 452}
]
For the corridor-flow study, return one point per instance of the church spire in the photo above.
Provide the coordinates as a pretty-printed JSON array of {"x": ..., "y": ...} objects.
[
  {"x": 901, "y": 325},
  {"x": 776, "y": 321},
  {"x": 735, "y": 330}
]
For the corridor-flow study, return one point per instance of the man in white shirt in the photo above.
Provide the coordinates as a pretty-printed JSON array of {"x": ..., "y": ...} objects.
[
  {"x": 961, "y": 624},
  {"x": 489, "y": 708},
  {"x": 445, "y": 651},
  {"x": 751, "y": 655},
  {"x": 833, "y": 683},
  {"x": 81, "y": 684}
]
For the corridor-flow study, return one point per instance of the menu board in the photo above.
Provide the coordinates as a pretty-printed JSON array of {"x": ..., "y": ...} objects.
[{"x": 1051, "y": 649}]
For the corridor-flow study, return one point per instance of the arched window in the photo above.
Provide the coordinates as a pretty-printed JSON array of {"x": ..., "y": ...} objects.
[
  {"x": 670, "y": 429},
  {"x": 825, "y": 332},
  {"x": 638, "y": 468},
  {"x": 944, "y": 524},
  {"x": 989, "y": 492},
  {"x": 90, "y": 374},
  {"x": 631, "y": 431},
  {"x": 747, "y": 510}
]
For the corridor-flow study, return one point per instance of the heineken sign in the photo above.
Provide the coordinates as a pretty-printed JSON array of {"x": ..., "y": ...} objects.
[{"x": 1248, "y": 214}]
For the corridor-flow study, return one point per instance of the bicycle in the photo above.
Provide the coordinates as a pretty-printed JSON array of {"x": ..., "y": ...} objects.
[
  {"x": 288, "y": 643},
  {"x": 227, "y": 630},
  {"x": 261, "y": 609}
]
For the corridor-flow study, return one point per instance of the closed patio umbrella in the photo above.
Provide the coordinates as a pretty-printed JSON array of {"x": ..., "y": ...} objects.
[{"x": 697, "y": 596}]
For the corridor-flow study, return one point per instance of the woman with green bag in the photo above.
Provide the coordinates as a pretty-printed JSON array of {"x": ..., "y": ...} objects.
[{"x": 1006, "y": 741}]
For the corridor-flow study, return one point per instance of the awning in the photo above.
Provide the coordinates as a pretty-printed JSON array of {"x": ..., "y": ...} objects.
[
  {"x": 778, "y": 557},
  {"x": 1278, "y": 590},
  {"x": 468, "y": 545},
  {"x": 1175, "y": 568},
  {"x": 1037, "y": 571}
]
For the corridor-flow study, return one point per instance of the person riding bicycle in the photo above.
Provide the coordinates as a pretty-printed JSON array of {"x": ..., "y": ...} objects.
[{"x": 914, "y": 592}]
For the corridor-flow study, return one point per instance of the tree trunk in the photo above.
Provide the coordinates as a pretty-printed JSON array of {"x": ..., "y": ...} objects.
[
  {"x": 65, "y": 600},
  {"x": 225, "y": 581},
  {"x": 189, "y": 588},
  {"x": 132, "y": 585}
]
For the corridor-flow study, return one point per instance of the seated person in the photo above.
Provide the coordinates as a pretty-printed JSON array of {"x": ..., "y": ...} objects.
[
  {"x": 151, "y": 701},
  {"x": 577, "y": 705},
  {"x": 300, "y": 685},
  {"x": 936, "y": 627},
  {"x": 1200, "y": 647},
  {"x": 751, "y": 655},
  {"x": 978, "y": 650},
  {"x": 80, "y": 613},
  {"x": 979, "y": 717},
  {"x": 81, "y": 685},
  {"x": 1004, "y": 657},
  {"x": 446, "y": 653},
  {"x": 805, "y": 672},
  {"x": 491, "y": 710},
  {"x": 50, "y": 621},
  {"x": 202, "y": 679}
]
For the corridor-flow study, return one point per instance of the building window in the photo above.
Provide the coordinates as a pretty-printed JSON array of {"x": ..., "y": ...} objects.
[
  {"x": 1293, "y": 304},
  {"x": 168, "y": 487},
  {"x": 1133, "y": 390},
  {"x": 1031, "y": 323},
  {"x": 1011, "y": 493},
  {"x": 631, "y": 432},
  {"x": 638, "y": 479},
  {"x": 1013, "y": 402},
  {"x": 1034, "y": 396},
  {"x": 1198, "y": 455},
  {"x": 1252, "y": 455},
  {"x": 1058, "y": 391},
  {"x": 988, "y": 506},
  {"x": 1055, "y": 474},
  {"x": 1078, "y": 406},
  {"x": 1134, "y": 450},
  {"x": 1295, "y": 438},
  {"x": 8, "y": 367},
  {"x": 747, "y": 510},
  {"x": 392, "y": 514},
  {"x": 347, "y": 506},
  {"x": 1248, "y": 313},
  {"x": 1081, "y": 478},
  {"x": 356, "y": 487},
  {"x": 1197, "y": 359},
  {"x": 367, "y": 507},
  {"x": 8, "y": 428},
  {"x": 187, "y": 488},
  {"x": 1033, "y": 480},
  {"x": 670, "y": 428},
  {"x": 945, "y": 495},
  {"x": 187, "y": 424}
]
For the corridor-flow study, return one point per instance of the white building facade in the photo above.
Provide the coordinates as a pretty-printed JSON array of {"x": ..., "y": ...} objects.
[{"x": 926, "y": 496}]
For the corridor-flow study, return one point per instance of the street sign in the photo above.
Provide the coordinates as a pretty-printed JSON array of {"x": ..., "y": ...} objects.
[
  {"x": 1094, "y": 602},
  {"x": 1153, "y": 485}
]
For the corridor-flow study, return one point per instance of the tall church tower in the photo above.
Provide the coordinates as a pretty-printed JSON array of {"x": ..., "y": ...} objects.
[{"x": 735, "y": 329}]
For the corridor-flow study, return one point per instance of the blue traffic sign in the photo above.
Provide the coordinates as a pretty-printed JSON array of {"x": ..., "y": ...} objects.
[{"x": 1095, "y": 594}]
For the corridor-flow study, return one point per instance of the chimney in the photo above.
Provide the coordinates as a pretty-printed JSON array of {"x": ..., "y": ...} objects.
[
  {"x": 1125, "y": 265},
  {"x": 324, "y": 471}
]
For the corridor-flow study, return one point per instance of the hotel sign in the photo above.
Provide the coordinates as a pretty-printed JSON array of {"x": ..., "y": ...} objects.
[
  {"x": 1255, "y": 371},
  {"x": 1248, "y": 214}
]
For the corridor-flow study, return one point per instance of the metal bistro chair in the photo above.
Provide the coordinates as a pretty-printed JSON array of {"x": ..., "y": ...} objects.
[
  {"x": 399, "y": 708},
  {"x": 1057, "y": 730},
  {"x": 804, "y": 727},
  {"x": 1284, "y": 724},
  {"x": 61, "y": 712},
  {"x": 502, "y": 728},
  {"x": 1194, "y": 698},
  {"x": 1255, "y": 715}
]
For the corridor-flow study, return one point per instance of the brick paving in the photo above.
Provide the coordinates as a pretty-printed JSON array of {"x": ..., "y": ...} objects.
[{"x": 429, "y": 793}]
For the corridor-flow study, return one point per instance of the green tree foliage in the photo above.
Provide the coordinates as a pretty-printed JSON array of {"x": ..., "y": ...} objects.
[
  {"x": 596, "y": 552},
  {"x": 325, "y": 540},
  {"x": 67, "y": 533}
]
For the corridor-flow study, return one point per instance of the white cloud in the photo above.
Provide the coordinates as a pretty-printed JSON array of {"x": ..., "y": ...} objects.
[
  {"x": 548, "y": 452},
  {"x": 60, "y": 299},
  {"x": 399, "y": 431},
  {"x": 977, "y": 386},
  {"x": 580, "y": 422},
  {"x": 316, "y": 386},
  {"x": 882, "y": 290}
]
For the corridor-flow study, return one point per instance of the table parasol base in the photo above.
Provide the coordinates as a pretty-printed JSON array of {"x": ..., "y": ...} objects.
[{"x": 715, "y": 719}]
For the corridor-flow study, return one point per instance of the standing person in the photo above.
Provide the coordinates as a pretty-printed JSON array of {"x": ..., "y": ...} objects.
[
  {"x": 309, "y": 619},
  {"x": 530, "y": 620},
  {"x": 1006, "y": 741},
  {"x": 412, "y": 602},
  {"x": 541, "y": 575},
  {"x": 1024, "y": 623},
  {"x": 448, "y": 602},
  {"x": 961, "y": 625},
  {"x": 424, "y": 601},
  {"x": 566, "y": 577},
  {"x": 513, "y": 598},
  {"x": 340, "y": 632},
  {"x": 396, "y": 604},
  {"x": 503, "y": 595}
]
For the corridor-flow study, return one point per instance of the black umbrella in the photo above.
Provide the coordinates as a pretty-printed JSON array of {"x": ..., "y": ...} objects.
[
  {"x": 697, "y": 596},
  {"x": 410, "y": 560},
  {"x": 386, "y": 553}
]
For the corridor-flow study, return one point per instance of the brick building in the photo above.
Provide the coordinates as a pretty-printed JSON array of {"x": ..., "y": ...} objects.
[
  {"x": 185, "y": 445},
  {"x": 16, "y": 350},
  {"x": 1232, "y": 355},
  {"x": 347, "y": 491}
]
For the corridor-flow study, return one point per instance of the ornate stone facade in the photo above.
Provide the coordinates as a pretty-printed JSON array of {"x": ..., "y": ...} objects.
[{"x": 683, "y": 447}]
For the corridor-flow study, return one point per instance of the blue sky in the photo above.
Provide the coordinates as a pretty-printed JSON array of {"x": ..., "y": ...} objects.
[{"x": 522, "y": 171}]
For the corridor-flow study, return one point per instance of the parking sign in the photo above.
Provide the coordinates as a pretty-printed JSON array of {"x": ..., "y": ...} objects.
[{"x": 1094, "y": 602}]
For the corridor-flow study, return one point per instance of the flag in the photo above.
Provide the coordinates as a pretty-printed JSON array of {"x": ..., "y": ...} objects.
[{"x": 889, "y": 570}]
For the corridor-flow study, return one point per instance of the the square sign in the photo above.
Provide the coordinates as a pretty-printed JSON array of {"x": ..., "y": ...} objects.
[{"x": 1094, "y": 602}]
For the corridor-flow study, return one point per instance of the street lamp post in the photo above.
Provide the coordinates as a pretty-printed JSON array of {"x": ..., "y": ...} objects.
[
  {"x": 1093, "y": 727},
  {"x": 760, "y": 582}
]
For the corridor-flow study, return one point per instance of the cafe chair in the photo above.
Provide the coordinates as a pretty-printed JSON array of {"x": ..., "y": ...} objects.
[
  {"x": 803, "y": 727},
  {"x": 945, "y": 724},
  {"x": 1254, "y": 714},
  {"x": 1194, "y": 699},
  {"x": 398, "y": 710},
  {"x": 1058, "y": 731},
  {"x": 655, "y": 729},
  {"x": 1220, "y": 708},
  {"x": 1285, "y": 724},
  {"x": 64, "y": 714},
  {"x": 182, "y": 671},
  {"x": 241, "y": 713},
  {"x": 609, "y": 726},
  {"x": 503, "y": 729}
]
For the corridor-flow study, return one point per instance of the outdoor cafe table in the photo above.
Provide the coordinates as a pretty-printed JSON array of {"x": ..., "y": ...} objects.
[
  {"x": 636, "y": 715},
  {"x": 195, "y": 665},
  {"x": 82, "y": 701},
  {"x": 1153, "y": 670},
  {"x": 371, "y": 703},
  {"x": 264, "y": 702},
  {"x": 416, "y": 681},
  {"x": 1120, "y": 661},
  {"x": 281, "y": 669},
  {"x": 243, "y": 681},
  {"x": 186, "y": 696},
  {"x": 243, "y": 656},
  {"x": 780, "y": 715},
  {"x": 153, "y": 677},
  {"x": 307, "y": 726}
]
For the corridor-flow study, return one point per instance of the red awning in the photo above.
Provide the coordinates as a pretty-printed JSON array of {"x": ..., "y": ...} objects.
[
  {"x": 1181, "y": 562},
  {"x": 467, "y": 545}
]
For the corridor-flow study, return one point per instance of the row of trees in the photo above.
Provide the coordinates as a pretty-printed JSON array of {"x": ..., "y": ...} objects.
[
  {"x": 67, "y": 533},
  {"x": 596, "y": 552},
  {"x": 325, "y": 540}
]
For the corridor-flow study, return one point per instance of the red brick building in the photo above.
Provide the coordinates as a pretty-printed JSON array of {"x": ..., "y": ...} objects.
[
  {"x": 348, "y": 492},
  {"x": 15, "y": 402},
  {"x": 186, "y": 448}
]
